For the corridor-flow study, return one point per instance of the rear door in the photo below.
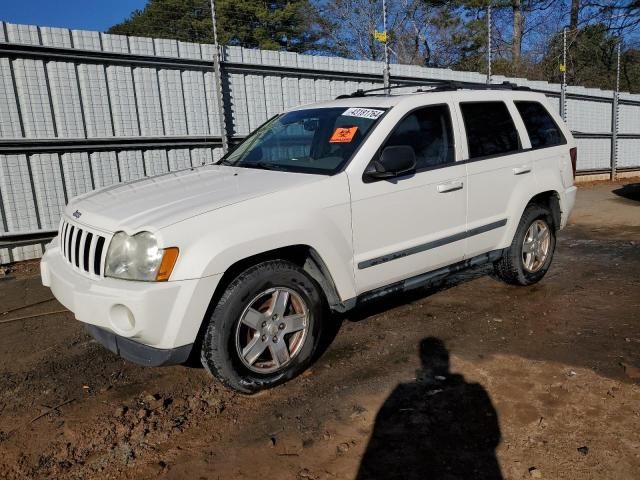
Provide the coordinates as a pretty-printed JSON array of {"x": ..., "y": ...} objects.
[
  {"x": 549, "y": 147},
  {"x": 498, "y": 170}
]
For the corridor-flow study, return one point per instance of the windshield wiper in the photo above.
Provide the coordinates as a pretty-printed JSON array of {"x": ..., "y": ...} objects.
[{"x": 263, "y": 165}]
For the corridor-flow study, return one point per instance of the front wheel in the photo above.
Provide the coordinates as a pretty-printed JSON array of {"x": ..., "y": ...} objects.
[
  {"x": 528, "y": 258},
  {"x": 265, "y": 328}
]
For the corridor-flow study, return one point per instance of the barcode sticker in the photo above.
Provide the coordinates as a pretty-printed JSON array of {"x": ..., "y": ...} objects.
[{"x": 371, "y": 113}]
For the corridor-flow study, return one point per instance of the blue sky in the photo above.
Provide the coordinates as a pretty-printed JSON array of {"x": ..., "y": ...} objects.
[{"x": 78, "y": 14}]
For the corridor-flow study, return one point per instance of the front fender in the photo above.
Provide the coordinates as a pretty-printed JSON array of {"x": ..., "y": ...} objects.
[{"x": 211, "y": 243}]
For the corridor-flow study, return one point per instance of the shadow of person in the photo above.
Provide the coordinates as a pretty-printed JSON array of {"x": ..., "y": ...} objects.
[{"x": 436, "y": 428}]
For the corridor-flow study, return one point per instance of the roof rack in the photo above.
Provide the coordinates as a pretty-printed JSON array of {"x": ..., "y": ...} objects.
[{"x": 438, "y": 86}]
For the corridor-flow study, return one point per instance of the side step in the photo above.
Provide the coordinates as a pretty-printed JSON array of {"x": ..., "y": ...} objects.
[{"x": 429, "y": 278}]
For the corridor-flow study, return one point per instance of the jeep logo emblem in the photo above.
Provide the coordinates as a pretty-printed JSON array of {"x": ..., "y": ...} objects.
[{"x": 77, "y": 214}]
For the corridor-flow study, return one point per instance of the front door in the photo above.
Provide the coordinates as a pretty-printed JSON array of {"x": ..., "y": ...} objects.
[{"x": 409, "y": 225}]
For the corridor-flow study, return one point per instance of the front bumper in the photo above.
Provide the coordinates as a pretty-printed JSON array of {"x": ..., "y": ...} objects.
[
  {"x": 138, "y": 352},
  {"x": 130, "y": 317}
]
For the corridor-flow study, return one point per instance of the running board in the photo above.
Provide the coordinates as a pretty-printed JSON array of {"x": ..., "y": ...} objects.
[{"x": 429, "y": 278}]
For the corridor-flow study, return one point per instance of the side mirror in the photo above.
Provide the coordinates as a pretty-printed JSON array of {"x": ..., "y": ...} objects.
[{"x": 393, "y": 162}]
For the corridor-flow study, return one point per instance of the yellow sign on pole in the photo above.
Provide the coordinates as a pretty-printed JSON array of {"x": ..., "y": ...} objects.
[
  {"x": 380, "y": 36},
  {"x": 563, "y": 67}
]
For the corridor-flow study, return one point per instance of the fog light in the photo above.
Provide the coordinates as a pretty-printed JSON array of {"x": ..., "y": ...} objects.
[{"x": 122, "y": 318}]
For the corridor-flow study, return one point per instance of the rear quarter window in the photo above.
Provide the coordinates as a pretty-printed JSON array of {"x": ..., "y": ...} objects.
[
  {"x": 490, "y": 129},
  {"x": 541, "y": 128}
]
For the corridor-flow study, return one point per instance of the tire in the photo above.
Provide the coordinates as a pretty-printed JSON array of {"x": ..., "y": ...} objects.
[
  {"x": 512, "y": 268},
  {"x": 255, "y": 297}
]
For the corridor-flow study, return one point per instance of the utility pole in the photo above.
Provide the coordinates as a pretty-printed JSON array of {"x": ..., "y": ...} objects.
[
  {"x": 217, "y": 70},
  {"x": 614, "y": 120},
  {"x": 489, "y": 43},
  {"x": 563, "y": 69},
  {"x": 386, "y": 72}
]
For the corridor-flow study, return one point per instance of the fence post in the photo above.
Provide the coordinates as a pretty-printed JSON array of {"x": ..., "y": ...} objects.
[
  {"x": 563, "y": 69},
  {"x": 386, "y": 73},
  {"x": 217, "y": 69},
  {"x": 614, "y": 120},
  {"x": 489, "y": 43}
]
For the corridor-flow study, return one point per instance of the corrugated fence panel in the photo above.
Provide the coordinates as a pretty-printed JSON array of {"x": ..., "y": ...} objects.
[
  {"x": 131, "y": 165},
  {"x": 594, "y": 153},
  {"x": 195, "y": 103},
  {"x": 17, "y": 194},
  {"x": 103, "y": 101},
  {"x": 33, "y": 97},
  {"x": 105, "y": 169},
  {"x": 122, "y": 98},
  {"x": 147, "y": 94},
  {"x": 179, "y": 159},
  {"x": 585, "y": 116},
  {"x": 629, "y": 152},
  {"x": 629, "y": 119},
  {"x": 77, "y": 173},
  {"x": 95, "y": 100},
  {"x": 10, "y": 118},
  {"x": 173, "y": 108},
  {"x": 49, "y": 188},
  {"x": 155, "y": 162}
]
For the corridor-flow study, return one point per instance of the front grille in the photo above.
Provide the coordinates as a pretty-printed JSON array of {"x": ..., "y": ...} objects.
[{"x": 83, "y": 249}]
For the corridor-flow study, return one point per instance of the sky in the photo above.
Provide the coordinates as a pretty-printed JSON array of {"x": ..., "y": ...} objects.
[{"x": 77, "y": 14}]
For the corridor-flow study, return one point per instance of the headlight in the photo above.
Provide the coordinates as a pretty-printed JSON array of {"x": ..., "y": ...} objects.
[{"x": 138, "y": 257}]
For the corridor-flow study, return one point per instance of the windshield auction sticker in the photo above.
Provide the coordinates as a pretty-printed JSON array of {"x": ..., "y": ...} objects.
[
  {"x": 343, "y": 135},
  {"x": 371, "y": 113}
]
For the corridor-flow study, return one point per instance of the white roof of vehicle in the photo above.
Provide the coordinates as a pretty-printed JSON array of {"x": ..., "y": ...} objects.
[{"x": 388, "y": 101}]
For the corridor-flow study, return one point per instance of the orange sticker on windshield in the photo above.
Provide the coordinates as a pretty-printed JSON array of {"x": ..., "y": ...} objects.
[{"x": 343, "y": 135}]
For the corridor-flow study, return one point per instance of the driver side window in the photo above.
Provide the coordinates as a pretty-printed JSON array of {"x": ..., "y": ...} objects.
[{"x": 428, "y": 131}]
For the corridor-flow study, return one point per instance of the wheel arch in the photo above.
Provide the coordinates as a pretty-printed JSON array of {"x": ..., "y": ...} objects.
[
  {"x": 304, "y": 256},
  {"x": 550, "y": 200}
]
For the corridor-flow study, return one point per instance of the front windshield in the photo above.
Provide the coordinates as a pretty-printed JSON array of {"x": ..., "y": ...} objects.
[{"x": 319, "y": 140}]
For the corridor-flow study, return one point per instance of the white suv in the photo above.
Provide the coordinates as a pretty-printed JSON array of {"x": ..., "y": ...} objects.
[{"x": 321, "y": 208}]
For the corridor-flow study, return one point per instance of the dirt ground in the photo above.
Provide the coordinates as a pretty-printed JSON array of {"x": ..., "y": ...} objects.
[{"x": 473, "y": 380}]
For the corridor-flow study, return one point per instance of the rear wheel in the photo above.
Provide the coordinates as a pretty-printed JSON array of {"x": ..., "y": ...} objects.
[
  {"x": 265, "y": 328},
  {"x": 528, "y": 258}
]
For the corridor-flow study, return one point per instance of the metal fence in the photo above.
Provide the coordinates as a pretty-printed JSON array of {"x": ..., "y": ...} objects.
[{"x": 81, "y": 110}]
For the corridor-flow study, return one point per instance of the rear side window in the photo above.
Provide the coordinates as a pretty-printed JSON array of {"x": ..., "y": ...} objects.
[
  {"x": 428, "y": 131},
  {"x": 542, "y": 129},
  {"x": 490, "y": 129}
]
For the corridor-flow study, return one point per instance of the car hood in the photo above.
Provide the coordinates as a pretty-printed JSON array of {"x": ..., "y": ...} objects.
[{"x": 154, "y": 203}]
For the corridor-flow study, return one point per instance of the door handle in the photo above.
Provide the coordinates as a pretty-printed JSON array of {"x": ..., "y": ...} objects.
[
  {"x": 450, "y": 187},
  {"x": 521, "y": 170}
]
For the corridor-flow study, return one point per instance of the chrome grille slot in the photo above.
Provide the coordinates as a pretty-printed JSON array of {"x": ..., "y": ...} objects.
[{"x": 83, "y": 249}]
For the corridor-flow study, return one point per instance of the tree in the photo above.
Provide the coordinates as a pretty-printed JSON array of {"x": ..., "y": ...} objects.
[
  {"x": 349, "y": 26},
  {"x": 518, "y": 31},
  {"x": 275, "y": 25},
  {"x": 186, "y": 20},
  {"x": 575, "y": 13},
  {"x": 592, "y": 60}
]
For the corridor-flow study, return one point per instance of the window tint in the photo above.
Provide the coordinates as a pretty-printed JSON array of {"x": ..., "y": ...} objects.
[
  {"x": 542, "y": 130},
  {"x": 429, "y": 132},
  {"x": 490, "y": 129}
]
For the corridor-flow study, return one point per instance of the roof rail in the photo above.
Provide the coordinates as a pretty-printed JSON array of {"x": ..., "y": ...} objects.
[{"x": 439, "y": 86}]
